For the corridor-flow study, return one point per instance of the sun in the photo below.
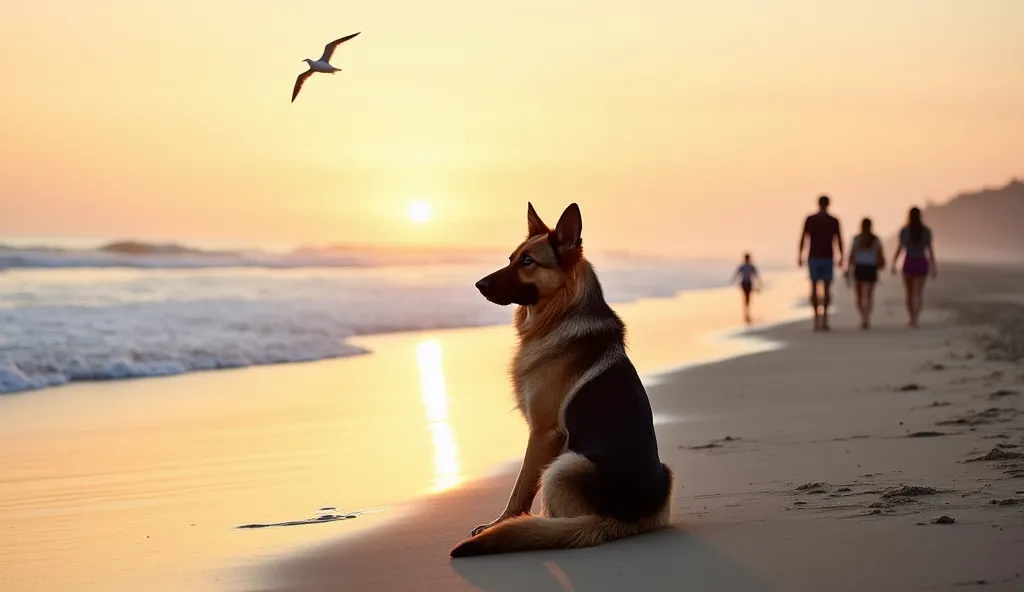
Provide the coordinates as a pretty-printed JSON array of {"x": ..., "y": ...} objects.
[{"x": 419, "y": 212}]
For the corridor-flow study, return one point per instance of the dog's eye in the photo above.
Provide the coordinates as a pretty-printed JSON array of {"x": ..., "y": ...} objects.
[{"x": 526, "y": 261}]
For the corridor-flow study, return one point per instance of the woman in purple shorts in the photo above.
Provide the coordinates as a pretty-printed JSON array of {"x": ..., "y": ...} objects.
[{"x": 918, "y": 262}]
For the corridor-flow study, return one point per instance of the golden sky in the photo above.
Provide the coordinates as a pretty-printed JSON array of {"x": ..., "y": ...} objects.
[{"x": 687, "y": 128}]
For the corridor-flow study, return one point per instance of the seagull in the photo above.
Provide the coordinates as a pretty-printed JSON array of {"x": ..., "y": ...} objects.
[{"x": 321, "y": 65}]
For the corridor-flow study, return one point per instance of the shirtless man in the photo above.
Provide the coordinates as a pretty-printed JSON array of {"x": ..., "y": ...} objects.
[{"x": 822, "y": 230}]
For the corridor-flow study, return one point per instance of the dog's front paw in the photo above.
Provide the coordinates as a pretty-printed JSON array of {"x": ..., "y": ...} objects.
[{"x": 482, "y": 528}]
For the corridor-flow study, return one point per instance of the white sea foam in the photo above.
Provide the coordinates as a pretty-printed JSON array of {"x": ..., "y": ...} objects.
[{"x": 64, "y": 325}]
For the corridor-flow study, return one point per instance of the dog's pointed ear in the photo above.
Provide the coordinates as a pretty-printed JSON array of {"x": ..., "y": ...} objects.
[
  {"x": 569, "y": 229},
  {"x": 534, "y": 225}
]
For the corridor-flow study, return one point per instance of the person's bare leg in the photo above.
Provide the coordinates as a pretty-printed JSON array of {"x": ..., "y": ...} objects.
[
  {"x": 825, "y": 304},
  {"x": 861, "y": 289},
  {"x": 814, "y": 304},
  {"x": 746, "y": 306},
  {"x": 913, "y": 302},
  {"x": 918, "y": 298},
  {"x": 908, "y": 289},
  {"x": 858, "y": 298},
  {"x": 869, "y": 303}
]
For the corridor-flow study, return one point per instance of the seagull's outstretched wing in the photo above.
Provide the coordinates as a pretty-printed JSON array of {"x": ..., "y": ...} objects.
[
  {"x": 329, "y": 48},
  {"x": 298, "y": 83}
]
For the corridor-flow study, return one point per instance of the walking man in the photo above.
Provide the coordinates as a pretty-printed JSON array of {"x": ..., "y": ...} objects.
[{"x": 822, "y": 231}]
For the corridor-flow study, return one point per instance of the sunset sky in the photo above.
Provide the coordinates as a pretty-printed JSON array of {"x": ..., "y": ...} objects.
[{"x": 686, "y": 128}]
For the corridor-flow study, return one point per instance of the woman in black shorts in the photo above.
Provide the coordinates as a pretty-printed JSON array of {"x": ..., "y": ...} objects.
[{"x": 866, "y": 258}]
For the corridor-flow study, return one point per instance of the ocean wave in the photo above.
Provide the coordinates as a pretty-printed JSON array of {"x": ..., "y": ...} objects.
[
  {"x": 110, "y": 325},
  {"x": 146, "y": 255},
  {"x": 50, "y": 346},
  {"x": 141, "y": 255}
]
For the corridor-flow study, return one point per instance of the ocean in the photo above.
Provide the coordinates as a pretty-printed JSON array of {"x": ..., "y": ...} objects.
[{"x": 133, "y": 310}]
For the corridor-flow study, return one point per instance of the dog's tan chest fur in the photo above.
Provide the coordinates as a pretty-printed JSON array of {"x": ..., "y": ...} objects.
[{"x": 541, "y": 388}]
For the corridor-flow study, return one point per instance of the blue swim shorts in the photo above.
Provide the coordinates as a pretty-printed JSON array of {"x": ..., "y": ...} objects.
[{"x": 820, "y": 269}]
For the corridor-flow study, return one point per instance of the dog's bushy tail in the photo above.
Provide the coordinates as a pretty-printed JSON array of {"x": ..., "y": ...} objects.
[{"x": 525, "y": 533}]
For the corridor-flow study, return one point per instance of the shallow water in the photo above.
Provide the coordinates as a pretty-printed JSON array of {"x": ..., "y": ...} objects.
[
  {"x": 86, "y": 323},
  {"x": 141, "y": 485}
]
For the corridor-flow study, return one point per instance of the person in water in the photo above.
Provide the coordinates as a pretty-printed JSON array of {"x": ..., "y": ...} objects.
[
  {"x": 747, "y": 274},
  {"x": 866, "y": 258},
  {"x": 918, "y": 262}
]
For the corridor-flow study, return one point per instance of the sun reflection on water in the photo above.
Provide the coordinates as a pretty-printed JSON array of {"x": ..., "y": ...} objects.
[{"x": 435, "y": 402}]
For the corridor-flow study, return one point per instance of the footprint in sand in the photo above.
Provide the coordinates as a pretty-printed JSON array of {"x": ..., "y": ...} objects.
[
  {"x": 1002, "y": 393},
  {"x": 909, "y": 491},
  {"x": 988, "y": 416},
  {"x": 813, "y": 488},
  {"x": 903, "y": 495},
  {"x": 997, "y": 453},
  {"x": 855, "y": 437},
  {"x": 707, "y": 446},
  {"x": 713, "y": 444}
]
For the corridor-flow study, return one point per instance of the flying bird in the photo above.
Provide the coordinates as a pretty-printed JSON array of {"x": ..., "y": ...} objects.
[{"x": 321, "y": 65}]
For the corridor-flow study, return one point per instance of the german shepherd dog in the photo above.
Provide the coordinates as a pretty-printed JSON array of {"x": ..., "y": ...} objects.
[{"x": 592, "y": 450}]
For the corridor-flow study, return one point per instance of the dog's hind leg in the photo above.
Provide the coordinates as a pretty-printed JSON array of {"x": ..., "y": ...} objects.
[{"x": 562, "y": 491}]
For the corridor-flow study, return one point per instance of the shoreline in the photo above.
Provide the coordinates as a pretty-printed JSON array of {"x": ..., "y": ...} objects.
[
  {"x": 493, "y": 483},
  {"x": 158, "y": 468},
  {"x": 758, "y": 339},
  {"x": 20, "y": 383},
  {"x": 791, "y": 462}
]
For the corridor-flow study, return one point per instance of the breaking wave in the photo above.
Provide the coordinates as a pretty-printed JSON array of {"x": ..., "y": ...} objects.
[{"x": 68, "y": 322}]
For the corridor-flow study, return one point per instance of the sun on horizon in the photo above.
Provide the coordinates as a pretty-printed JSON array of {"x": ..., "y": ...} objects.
[{"x": 420, "y": 212}]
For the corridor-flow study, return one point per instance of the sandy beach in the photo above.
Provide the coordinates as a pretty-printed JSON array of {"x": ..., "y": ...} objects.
[
  {"x": 792, "y": 454},
  {"x": 249, "y": 339},
  {"x": 142, "y": 484},
  {"x": 826, "y": 465}
]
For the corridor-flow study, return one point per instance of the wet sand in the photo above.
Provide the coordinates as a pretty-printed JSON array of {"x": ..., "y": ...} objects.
[
  {"x": 142, "y": 485},
  {"x": 891, "y": 459}
]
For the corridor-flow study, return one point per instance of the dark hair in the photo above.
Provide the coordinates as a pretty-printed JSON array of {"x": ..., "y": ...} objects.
[
  {"x": 823, "y": 201},
  {"x": 915, "y": 225},
  {"x": 866, "y": 239},
  {"x": 746, "y": 256}
]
